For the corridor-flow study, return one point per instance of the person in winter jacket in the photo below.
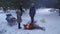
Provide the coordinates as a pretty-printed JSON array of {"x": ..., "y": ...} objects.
[
  {"x": 19, "y": 19},
  {"x": 32, "y": 12},
  {"x": 19, "y": 13}
]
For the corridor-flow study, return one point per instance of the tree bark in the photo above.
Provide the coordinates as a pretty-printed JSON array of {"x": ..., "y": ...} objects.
[{"x": 59, "y": 12}]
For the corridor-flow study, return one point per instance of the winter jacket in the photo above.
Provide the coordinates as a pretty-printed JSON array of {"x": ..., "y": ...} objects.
[
  {"x": 19, "y": 14},
  {"x": 32, "y": 11}
]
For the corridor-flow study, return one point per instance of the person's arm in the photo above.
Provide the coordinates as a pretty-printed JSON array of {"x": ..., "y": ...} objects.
[{"x": 21, "y": 9}]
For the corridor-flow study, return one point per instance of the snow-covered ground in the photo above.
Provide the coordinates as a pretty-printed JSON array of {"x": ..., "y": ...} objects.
[{"x": 51, "y": 24}]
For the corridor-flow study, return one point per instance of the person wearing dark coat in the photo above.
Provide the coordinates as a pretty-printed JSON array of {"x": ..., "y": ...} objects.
[
  {"x": 32, "y": 13},
  {"x": 19, "y": 19},
  {"x": 19, "y": 13}
]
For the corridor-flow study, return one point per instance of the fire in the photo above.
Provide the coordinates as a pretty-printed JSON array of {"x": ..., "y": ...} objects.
[{"x": 28, "y": 26}]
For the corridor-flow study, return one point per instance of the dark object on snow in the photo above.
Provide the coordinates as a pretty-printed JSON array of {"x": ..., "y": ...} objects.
[
  {"x": 32, "y": 13},
  {"x": 4, "y": 9},
  {"x": 11, "y": 20},
  {"x": 30, "y": 26},
  {"x": 8, "y": 15},
  {"x": 21, "y": 9}
]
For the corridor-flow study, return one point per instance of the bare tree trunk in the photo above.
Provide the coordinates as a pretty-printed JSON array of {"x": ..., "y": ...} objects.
[
  {"x": 4, "y": 9},
  {"x": 59, "y": 12}
]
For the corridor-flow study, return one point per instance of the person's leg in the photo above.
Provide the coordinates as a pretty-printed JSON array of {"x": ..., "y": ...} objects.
[
  {"x": 19, "y": 24},
  {"x": 32, "y": 19}
]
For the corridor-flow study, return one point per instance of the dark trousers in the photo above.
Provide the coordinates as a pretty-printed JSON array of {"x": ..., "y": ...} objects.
[
  {"x": 19, "y": 20},
  {"x": 32, "y": 18}
]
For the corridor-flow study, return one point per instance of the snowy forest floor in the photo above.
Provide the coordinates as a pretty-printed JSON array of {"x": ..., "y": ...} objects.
[{"x": 51, "y": 24}]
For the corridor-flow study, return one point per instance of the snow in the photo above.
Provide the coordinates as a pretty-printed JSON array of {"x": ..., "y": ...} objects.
[{"x": 52, "y": 22}]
